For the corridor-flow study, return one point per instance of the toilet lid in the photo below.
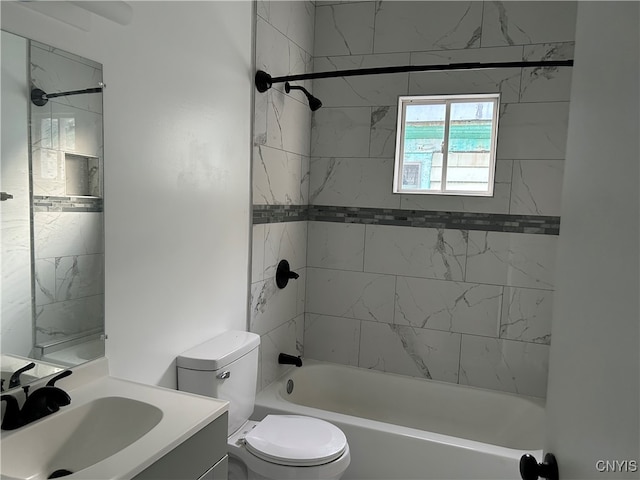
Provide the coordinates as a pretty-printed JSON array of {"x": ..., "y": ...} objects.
[{"x": 296, "y": 440}]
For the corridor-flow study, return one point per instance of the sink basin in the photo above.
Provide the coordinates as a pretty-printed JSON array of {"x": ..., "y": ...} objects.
[{"x": 76, "y": 438}]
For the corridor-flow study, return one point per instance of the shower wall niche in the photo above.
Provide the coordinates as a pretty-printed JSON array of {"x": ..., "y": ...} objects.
[
  {"x": 82, "y": 176},
  {"x": 67, "y": 171}
]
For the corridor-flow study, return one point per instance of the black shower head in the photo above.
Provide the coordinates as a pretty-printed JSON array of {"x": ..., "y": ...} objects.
[{"x": 314, "y": 103}]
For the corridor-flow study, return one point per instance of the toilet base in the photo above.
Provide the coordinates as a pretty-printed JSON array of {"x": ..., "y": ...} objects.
[{"x": 237, "y": 469}]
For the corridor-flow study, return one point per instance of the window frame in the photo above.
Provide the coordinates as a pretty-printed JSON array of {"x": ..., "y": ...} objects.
[{"x": 447, "y": 100}]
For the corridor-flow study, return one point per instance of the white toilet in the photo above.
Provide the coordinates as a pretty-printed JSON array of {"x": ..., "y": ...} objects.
[{"x": 280, "y": 446}]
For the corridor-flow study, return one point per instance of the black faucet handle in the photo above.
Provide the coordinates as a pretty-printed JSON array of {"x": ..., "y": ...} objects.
[
  {"x": 60, "y": 376},
  {"x": 14, "y": 381}
]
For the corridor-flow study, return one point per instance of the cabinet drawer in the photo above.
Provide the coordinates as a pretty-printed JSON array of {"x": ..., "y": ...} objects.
[
  {"x": 219, "y": 471},
  {"x": 194, "y": 457}
]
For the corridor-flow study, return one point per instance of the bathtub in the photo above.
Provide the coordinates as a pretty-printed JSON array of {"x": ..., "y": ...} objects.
[{"x": 406, "y": 428}]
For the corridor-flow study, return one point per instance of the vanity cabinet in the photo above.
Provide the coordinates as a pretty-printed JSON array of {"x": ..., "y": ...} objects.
[{"x": 201, "y": 457}]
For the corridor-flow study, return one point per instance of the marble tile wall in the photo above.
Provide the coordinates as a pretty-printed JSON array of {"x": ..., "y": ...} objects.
[
  {"x": 421, "y": 301},
  {"x": 458, "y": 305},
  {"x": 463, "y": 304},
  {"x": 282, "y": 129},
  {"x": 69, "y": 274},
  {"x": 353, "y": 135}
]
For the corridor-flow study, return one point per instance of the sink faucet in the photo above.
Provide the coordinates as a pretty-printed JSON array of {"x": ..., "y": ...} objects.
[{"x": 42, "y": 402}]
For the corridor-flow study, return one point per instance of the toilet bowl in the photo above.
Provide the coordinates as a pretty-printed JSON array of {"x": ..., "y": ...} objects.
[
  {"x": 289, "y": 447},
  {"x": 278, "y": 447}
]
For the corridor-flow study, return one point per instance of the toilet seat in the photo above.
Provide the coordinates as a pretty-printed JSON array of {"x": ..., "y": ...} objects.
[{"x": 297, "y": 441}]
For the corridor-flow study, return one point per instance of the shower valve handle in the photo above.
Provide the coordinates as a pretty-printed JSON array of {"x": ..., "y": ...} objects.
[{"x": 284, "y": 274}]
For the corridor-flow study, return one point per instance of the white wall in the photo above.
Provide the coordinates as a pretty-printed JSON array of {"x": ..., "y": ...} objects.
[
  {"x": 177, "y": 146},
  {"x": 594, "y": 366}
]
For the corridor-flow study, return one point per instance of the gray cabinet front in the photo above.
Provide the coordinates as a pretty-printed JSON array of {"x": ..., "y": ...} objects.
[{"x": 202, "y": 456}]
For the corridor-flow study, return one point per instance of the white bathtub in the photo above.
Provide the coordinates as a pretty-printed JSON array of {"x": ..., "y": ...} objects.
[{"x": 405, "y": 428}]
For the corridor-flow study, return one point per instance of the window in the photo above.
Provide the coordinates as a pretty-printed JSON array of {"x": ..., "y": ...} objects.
[{"x": 446, "y": 144}]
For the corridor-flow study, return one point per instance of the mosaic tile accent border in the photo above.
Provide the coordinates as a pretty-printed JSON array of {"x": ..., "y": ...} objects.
[
  {"x": 67, "y": 204},
  {"x": 492, "y": 222},
  {"x": 434, "y": 219},
  {"x": 280, "y": 213}
]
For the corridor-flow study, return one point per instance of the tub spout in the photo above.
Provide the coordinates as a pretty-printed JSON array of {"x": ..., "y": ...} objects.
[{"x": 285, "y": 359}]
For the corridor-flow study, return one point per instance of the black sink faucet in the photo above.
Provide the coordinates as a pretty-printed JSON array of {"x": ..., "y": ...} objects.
[
  {"x": 12, "y": 415},
  {"x": 42, "y": 402}
]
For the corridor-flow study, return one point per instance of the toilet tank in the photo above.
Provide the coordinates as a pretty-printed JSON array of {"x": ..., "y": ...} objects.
[{"x": 225, "y": 367}]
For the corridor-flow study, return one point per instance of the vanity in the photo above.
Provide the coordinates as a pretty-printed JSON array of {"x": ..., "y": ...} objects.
[{"x": 118, "y": 429}]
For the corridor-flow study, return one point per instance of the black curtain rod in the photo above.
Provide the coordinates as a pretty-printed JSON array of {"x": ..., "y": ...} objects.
[
  {"x": 40, "y": 98},
  {"x": 264, "y": 81}
]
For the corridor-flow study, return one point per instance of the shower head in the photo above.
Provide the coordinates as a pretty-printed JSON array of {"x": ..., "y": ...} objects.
[
  {"x": 264, "y": 82},
  {"x": 314, "y": 103}
]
